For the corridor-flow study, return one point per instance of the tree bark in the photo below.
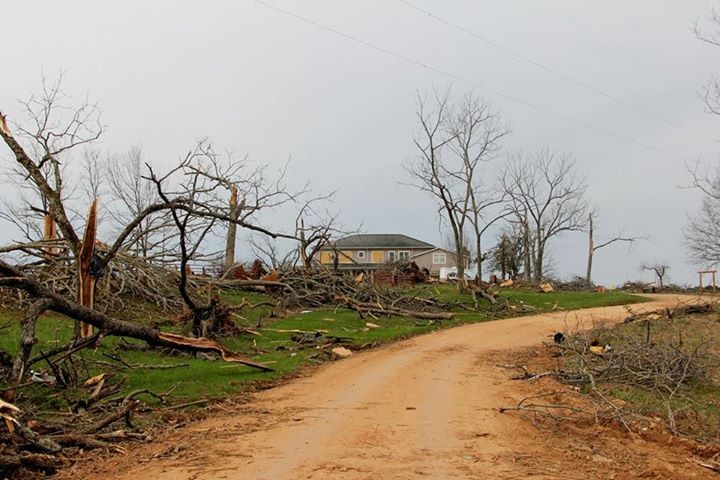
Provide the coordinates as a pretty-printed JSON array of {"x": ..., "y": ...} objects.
[
  {"x": 478, "y": 252},
  {"x": 232, "y": 230},
  {"x": 86, "y": 282},
  {"x": 591, "y": 252},
  {"x": 526, "y": 242},
  {"x": 27, "y": 337}
]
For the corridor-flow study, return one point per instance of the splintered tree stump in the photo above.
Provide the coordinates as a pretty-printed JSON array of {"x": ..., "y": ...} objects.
[{"x": 86, "y": 282}]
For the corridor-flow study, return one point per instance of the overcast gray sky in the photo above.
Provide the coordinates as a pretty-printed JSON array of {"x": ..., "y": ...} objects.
[{"x": 260, "y": 81}]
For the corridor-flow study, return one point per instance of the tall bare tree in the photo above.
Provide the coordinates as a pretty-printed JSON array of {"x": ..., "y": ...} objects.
[
  {"x": 547, "y": 197},
  {"x": 594, "y": 247},
  {"x": 708, "y": 31},
  {"x": 455, "y": 137},
  {"x": 476, "y": 130},
  {"x": 129, "y": 194},
  {"x": 702, "y": 229},
  {"x": 55, "y": 127}
]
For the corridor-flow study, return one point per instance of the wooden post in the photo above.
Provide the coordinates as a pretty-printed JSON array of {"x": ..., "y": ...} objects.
[
  {"x": 700, "y": 282},
  {"x": 86, "y": 283},
  {"x": 713, "y": 273}
]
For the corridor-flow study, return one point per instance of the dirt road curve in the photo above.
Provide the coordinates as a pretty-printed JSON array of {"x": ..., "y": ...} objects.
[{"x": 421, "y": 408}]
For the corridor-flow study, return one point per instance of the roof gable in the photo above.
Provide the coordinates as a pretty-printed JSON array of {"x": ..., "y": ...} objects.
[
  {"x": 435, "y": 249},
  {"x": 381, "y": 240}
]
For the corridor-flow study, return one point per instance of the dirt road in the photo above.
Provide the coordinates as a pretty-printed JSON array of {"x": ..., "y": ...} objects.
[{"x": 421, "y": 408}]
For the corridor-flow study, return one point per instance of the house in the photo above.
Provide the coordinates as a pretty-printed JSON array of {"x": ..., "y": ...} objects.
[{"x": 365, "y": 252}]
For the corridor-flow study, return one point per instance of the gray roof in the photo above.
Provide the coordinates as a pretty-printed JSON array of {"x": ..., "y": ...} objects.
[{"x": 381, "y": 240}]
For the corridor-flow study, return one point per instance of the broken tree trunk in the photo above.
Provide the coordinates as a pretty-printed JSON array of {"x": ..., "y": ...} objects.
[
  {"x": 86, "y": 282},
  {"x": 591, "y": 252},
  {"x": 232, "y": 230},
  {"x": 27, "y": 339},
  {"x": 478, "y": 291},
  {"x": 14, "y": 278},
  {"x": 49, "y": 233}
]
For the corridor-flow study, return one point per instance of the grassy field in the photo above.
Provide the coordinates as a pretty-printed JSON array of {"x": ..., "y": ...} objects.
[{"x": 194, "y": 379}]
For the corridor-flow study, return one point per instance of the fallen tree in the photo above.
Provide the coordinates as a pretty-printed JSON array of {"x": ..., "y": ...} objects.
[
  {"x": 322, "y": 288},
  {"x": 11, "y": 276}
]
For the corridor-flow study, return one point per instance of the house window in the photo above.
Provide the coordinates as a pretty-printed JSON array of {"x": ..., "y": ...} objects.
[
  {"x": 439, "y": 258},
  {"x": 404, "y": 256},
  {"x": 391, "y": 256},
  {"x": 361, "y": 255}
]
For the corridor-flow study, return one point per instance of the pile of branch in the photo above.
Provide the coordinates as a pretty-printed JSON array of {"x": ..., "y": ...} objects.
[
  {"x": 321, "y": 288},
  {"x": 126, "y": 277},
  {"x": 649, "y": 361},
  {"x": 47, "y": 300},
  {"x": 33, "y": 446}
]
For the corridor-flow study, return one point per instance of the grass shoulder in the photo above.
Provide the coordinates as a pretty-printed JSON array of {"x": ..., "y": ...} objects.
[{"x": 277, "y": 342}]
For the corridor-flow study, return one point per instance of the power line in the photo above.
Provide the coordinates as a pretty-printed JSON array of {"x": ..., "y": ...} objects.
[
  {"x": 472, "y": 83},
  {"x": 555, "y": 72}
]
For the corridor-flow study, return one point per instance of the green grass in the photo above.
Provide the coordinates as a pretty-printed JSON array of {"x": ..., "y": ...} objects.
[
  {"x": 201, "y": 379},
  {"x": 570, "y": 300}
]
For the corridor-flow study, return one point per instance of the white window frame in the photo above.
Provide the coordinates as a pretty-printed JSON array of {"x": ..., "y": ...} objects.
[
  {"x": 438, "y": 255},
  {"x": 403, "y": 255},
  {"x": 391, "y": 256},
  {"x": 361, "y": 255}
]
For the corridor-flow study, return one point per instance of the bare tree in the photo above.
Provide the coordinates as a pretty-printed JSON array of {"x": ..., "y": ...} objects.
[
  {"x": 272, "y": 254},
  {"x": 130, "y": 194},
  {"x": 702, "y": 230},
  {"x": 315, "y": 226},
  {"x": 476, "y": 130},
  {"x": 658, "y": 268},
  {"x": 193, "y": 193},
  {"x": 455, "y": 138},
  {"x": 546, "y": 198},
  {"x": 92, "y": 173},
  {"x": 56, "y": 126},
  {"x": 593, "y": 247},
  {"x": 708, "y": 31}
]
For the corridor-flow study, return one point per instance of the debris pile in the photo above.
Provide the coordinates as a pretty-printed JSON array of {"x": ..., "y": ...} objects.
[
  {"x": 652, "y": 362},
  {"x": 405, "y": 274},
  {"x": 321, "y": 288}
]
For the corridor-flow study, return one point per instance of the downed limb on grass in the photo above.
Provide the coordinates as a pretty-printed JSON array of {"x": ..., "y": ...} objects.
[
  {"x": 12, "y": 277},
  {"x": 363, "y": 307}
]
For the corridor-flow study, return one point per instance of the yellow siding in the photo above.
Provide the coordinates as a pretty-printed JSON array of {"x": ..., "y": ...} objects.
[
  {"x": 326, "y": 257},
  {"x": 377, "y": 257},
  {"x": 345, "y": 257}
]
